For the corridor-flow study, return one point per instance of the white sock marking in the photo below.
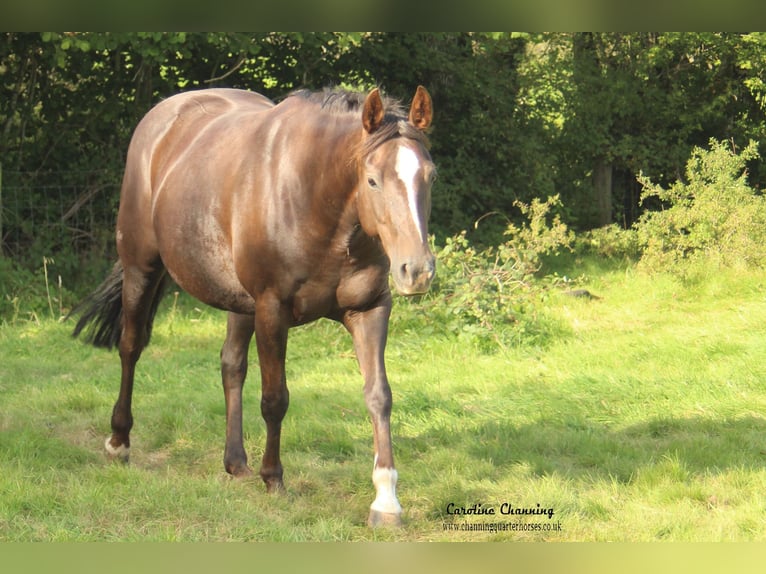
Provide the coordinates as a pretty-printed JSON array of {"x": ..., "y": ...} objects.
[
  {"x": 120, "y": 452},
  {"x": 384, "y": 480},
  {"x": 407, "y": 167}
]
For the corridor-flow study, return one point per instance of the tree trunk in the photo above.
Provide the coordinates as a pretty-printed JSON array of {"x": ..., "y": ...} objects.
[{"x": 602, "y": 191}]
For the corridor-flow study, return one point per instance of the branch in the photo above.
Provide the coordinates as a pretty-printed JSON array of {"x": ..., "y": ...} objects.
[{"x": 237, "y": 66}]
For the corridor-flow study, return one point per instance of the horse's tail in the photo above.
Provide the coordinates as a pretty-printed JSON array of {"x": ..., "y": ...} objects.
[{"x": 101, "y": 312}]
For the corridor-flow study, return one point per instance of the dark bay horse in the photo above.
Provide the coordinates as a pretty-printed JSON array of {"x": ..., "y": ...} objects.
[{"x": 279, "y": 214}]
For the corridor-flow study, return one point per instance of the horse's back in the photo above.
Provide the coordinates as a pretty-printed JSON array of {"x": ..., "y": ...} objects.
[
  {"x": 177, "y": 121},
  {"x": 211, "y": 102},
  {"x": 169, "y": 128}
]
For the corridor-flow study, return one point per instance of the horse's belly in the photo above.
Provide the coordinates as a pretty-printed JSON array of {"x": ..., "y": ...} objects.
[
  {"x": 202, "y": 265},
  {"x": 215, "y": 290}
]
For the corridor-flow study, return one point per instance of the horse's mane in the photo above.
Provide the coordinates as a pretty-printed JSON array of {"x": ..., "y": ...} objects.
[{"x": 338, "y": 101}]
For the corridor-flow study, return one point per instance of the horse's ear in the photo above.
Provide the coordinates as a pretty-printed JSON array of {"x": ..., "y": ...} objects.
[
  {"x": 372, "y": 114},
  {"x": 422, "y": 111}
]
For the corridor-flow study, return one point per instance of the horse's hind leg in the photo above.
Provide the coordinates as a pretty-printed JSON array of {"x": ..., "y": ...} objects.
[
  {"x": 239, "y": 333},
  {"x": 271, "y": 324},
  {"x": 141, "y": 292}
]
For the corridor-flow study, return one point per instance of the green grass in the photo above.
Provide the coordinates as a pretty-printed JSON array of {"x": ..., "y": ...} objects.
[{"x": 643, "y": 421}]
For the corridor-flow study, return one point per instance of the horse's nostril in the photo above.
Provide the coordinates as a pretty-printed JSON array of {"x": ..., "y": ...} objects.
[{"x": 413, "y": 271}]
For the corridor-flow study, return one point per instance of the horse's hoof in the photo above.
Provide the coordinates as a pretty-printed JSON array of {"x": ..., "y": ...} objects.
[
  {"x": 378, "y": 519},
  {"x": 117, "y": 453},
  {"x": 275, "y": 487},
  {"x": 240, "y": 473},
  {"x": 272, "y": 478}
]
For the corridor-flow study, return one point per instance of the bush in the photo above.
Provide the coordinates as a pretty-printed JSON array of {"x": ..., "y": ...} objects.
[
  {"x": 713, "y": 217},
  {"x": 493, "y": 297},
  {"x": 610, "y": 242}
]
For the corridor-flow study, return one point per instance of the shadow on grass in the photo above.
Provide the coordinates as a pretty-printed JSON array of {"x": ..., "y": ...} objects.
[
  {"x": 580, "y": 450},
  {"x": 663, "y": 457}
]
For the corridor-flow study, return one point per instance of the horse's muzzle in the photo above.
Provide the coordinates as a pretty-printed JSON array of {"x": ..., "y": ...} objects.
[{"x": 414, "y": 276}]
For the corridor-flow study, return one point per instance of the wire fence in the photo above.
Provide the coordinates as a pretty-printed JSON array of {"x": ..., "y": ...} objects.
[{"x": 73, "y": 212}]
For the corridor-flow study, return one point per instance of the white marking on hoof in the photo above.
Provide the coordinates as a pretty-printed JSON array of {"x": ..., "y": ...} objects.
[
  {"x": 385, "y": 502},
  {"x": 121, "y": 452}
]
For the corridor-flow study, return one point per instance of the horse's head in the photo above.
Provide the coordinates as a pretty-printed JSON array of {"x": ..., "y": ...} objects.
[{"x": 395, "y": 188}]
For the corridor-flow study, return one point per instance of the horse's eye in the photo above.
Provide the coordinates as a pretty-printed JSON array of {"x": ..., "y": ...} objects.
[{"x": 372, "y": 183}]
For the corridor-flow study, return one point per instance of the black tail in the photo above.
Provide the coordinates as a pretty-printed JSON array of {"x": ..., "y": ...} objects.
[{"x": 101, "y": 312}]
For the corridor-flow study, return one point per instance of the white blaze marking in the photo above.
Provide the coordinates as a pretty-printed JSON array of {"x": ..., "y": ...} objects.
[
  {"x": 407, "y": 166},
  {"x": 384, "y": 480}
]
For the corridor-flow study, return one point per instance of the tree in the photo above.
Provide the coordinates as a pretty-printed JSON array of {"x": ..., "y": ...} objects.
[{"x": 641, "y": 102}]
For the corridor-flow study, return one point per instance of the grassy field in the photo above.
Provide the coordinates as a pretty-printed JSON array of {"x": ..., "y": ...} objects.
[{"x": 645, "y": 420}]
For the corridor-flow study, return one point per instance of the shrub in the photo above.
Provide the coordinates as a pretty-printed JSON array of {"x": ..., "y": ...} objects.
[
  {"x": 713, "y": 217},
  {"x": 610, "y": 242},
  {"x": 494, "y": 296}
]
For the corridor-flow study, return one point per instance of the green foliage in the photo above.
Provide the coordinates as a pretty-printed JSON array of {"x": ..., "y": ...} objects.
[
  {"x": 752, "y": 62},
  {"x": 712, "y": 217},
  {"x": 495, "y": 296},
  {"x": 609, "y": 242},
  {"x": 641, "y": 101},
  {"x": 26, "y": 295},
  {"x": 15, "y": 283}
]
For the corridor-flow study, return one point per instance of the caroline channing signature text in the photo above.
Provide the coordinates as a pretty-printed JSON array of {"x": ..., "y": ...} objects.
[{"x": 505, "y": 509}]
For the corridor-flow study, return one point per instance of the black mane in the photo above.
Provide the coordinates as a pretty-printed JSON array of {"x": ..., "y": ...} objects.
[{"x": 339, "y": 101}]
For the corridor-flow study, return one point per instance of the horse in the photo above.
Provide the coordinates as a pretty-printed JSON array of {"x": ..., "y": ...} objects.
[{"x": 280, "y": 214}]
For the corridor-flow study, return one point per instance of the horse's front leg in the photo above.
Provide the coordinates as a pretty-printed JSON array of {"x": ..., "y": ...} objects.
[
  {"x": 369, "y": 330},
  {"x": 271, "y": 325}
]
